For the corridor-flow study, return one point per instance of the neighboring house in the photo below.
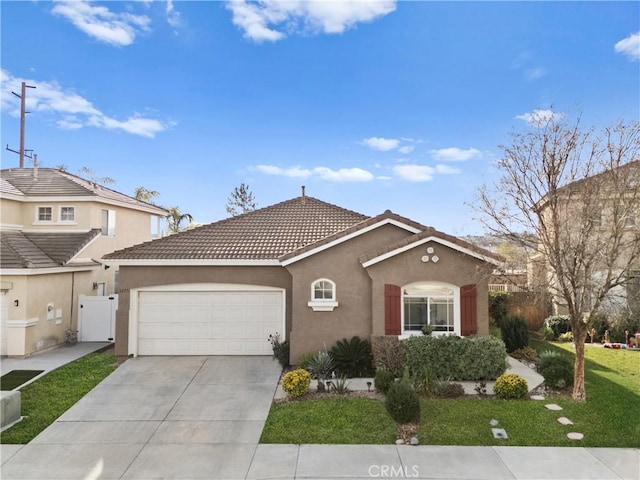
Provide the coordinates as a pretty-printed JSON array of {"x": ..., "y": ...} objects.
[
  {"x": 311, "y": 271},
  {"x": 54, "y": 228},
  {"x": 598, "y": 218}
]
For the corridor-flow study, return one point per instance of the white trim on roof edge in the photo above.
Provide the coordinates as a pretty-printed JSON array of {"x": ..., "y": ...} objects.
[
  {"x": 357, "y": 233},
  {"x": 432, "y": 238},
  {"x": 47, "y": 270},
  {"x": 190, "y": 263}
]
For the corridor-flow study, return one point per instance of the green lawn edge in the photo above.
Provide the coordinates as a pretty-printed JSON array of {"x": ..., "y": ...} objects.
[
  {"x": 607, "y": 419},
  {"x": 44, "y": 400}
]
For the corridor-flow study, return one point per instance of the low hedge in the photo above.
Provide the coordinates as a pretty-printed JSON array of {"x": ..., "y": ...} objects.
[{"x": 456, "y": 358}]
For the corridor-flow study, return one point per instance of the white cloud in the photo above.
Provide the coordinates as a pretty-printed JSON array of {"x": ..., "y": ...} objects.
[
  {"x": 118, "y": 29},
  {"x": 293, "y": 172},
  {"x": 344, "y": 174},
  {"x": 455, "y": 154},
  {"x": 73, "y": 110},
  {"x": 265, "y": 20},
  {"x": 382, "y": 144},
  {"x": 535, "y": 73},
  {"x": 446, "y": 169},
  {"x": 630, "y": 47},
  {"x": 540, "y": 117},
  {"x": 325, "y": 173},
  {"x": 173, "y": 17},
  {"x": 415, "y": 173},
  {"x": 406, "y": 149}
]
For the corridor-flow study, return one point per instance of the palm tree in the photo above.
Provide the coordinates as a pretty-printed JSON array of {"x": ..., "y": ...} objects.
[
  {"x": 144, "y": 195},
  {"x": 175, "y": 220}
]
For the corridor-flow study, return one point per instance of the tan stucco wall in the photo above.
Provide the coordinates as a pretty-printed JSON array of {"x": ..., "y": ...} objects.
[
  {"x": 34, "y": 294},
  {"x": 453, "y": 267},
  {"x": 137, "y": 277},
  {"x": 314, "y": 331},
  {"x": 10, "y": 212}
]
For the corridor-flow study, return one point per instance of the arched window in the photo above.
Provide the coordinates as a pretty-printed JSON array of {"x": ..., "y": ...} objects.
[
  {"x": 431, "y": 303},
  {"x": 323, "y": 295}
]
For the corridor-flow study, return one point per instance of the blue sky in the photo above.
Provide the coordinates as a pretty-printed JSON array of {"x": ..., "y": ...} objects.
[{"x": 371, "y": 105}]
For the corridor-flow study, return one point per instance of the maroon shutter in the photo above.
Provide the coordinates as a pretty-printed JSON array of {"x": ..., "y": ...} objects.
[
  {"x": 392, "y": 302},
  {"x": 468, "y": 310}
]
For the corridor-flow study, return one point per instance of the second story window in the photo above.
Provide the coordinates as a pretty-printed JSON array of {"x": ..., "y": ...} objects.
[
  {"x": 45, "y": 214},
  {"x": 67, "y": 214},
  {"x": 109, "y": 223},
  {"x": 323, "y": 295}
]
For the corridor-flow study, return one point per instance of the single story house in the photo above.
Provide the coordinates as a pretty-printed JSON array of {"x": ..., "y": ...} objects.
[{"x": 309, "y": 270}]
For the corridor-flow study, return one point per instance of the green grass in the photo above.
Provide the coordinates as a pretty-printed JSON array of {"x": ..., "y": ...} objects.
[
  {"x": 609, "y": 418},
  {"x": 50, "y": 396},
  {"x": 333, "y": 420}
]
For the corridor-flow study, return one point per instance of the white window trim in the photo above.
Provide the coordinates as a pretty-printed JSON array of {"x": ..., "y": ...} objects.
[
  {"x": 457, "y": 327},
  {"x": 67, "y": 222},
  {"x": 323, "y": 305},
  {"x": 37, "y": 220}
]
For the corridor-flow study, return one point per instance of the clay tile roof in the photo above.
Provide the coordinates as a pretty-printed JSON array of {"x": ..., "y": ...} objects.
[
  {"x": 264, "y": 234},
  {"x": 426, "y": 233},
  {"x": 41, "y": 250},
  {"x": 388, "y": 214},
  {"x": 51, "y": 182}
]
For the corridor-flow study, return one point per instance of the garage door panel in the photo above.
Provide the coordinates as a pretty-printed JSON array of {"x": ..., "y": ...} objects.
[{"x": 208, "y": 322}]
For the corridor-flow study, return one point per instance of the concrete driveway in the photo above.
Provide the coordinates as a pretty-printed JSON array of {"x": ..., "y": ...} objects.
[{"x": 158, "y": 417}]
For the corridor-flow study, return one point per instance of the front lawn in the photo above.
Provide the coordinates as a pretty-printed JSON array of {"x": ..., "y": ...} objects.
[
  {"x": 608, "y": 418},
  {"x": 44, "y": 400}
]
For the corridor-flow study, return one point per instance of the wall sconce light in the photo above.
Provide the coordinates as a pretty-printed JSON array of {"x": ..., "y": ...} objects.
[
  {"x": 95, "y": 285},
  {"x": 16, "y": 303}
]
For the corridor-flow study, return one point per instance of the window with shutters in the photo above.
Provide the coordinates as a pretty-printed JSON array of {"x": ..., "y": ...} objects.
[{"x": 430, "y": 303}]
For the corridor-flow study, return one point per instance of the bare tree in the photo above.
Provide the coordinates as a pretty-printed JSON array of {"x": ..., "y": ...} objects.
[
  {"x": 175, "y": 220},
  {"x": 240, "y": 201},
  {"x": 144, "y": 195},
  {"x": 579, "y": 189}
]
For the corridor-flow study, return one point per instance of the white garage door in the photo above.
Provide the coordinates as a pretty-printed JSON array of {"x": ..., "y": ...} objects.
[{"x": 208, "y": 322}]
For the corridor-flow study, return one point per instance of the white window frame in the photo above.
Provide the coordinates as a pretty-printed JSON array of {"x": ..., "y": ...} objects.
[
  {"x": 155, "y": 227},
  {"x": 456, "y": 307},
  {"x": 67, "y": 221},
  {"x": 108, "y": 230},
  {"x": 41, "y": 207},
  {"x": 323, "y": 304}
]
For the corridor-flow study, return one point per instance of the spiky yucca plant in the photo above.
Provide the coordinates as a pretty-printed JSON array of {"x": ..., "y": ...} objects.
[{"x": 352, "y": 358}]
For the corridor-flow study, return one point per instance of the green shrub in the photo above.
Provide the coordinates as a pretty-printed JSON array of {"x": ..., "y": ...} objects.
[
  {"x": 424, "y": 381},
  {"x": 402, "y": 403},
  {"x": 526, "y": 353},
  {"x": 621, "y": 323},
  {"x": 547, "y": 333},
  {"x": 296, "y": 382},
  {"x": 558, "y": 324},
  {"x": 510, "y": 386},
  {"x": 352, "y": 358},
  {"x": 449, "y": 390},
  {"x": 498, "y": 306},
  {"x": 383, "y": 380},
  {"x": 340, "y": 386},
  {"x": 514, "y": 333},
  {"x": 388, "y": 353},
  {"x": 449, "y": 356},
  {"x": 303, "y": 361},
  {"x": 280, "y": 349},
  {"x": 321, "y": 367},
  {"x": 556, "y": 369}
]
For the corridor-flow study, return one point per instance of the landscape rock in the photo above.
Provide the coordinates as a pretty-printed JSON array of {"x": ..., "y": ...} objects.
[
  {"x": 399, "y": 441},
  {"x": 553, "y": 406},
  {"x": 414, "y": 441}
]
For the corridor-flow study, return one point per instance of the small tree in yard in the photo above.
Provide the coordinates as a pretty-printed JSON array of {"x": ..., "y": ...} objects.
[{"x": 580, "y": 190}]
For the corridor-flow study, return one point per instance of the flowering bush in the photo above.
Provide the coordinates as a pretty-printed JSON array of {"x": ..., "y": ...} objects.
[
  {"x": 296, "y": 382},
  {"x": 510, "y": 385}
]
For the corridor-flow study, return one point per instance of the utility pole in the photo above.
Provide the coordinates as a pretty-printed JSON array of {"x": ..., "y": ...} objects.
[{"x": 23, "y": 112}]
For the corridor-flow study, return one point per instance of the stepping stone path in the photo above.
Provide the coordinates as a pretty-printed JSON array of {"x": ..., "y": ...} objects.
[
  {"x": 565, "y": 421},
  {"x": 499, "y": 433},
  {"x": 553, "y": 406},
  {"x": 537, "y": 397},
  {"x": 575, "y": 436}
]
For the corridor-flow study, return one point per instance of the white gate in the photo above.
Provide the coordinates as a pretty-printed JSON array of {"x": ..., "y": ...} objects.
[
  {"x": 97, "y": 318},
  {"x": 4, "y": 313}
]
